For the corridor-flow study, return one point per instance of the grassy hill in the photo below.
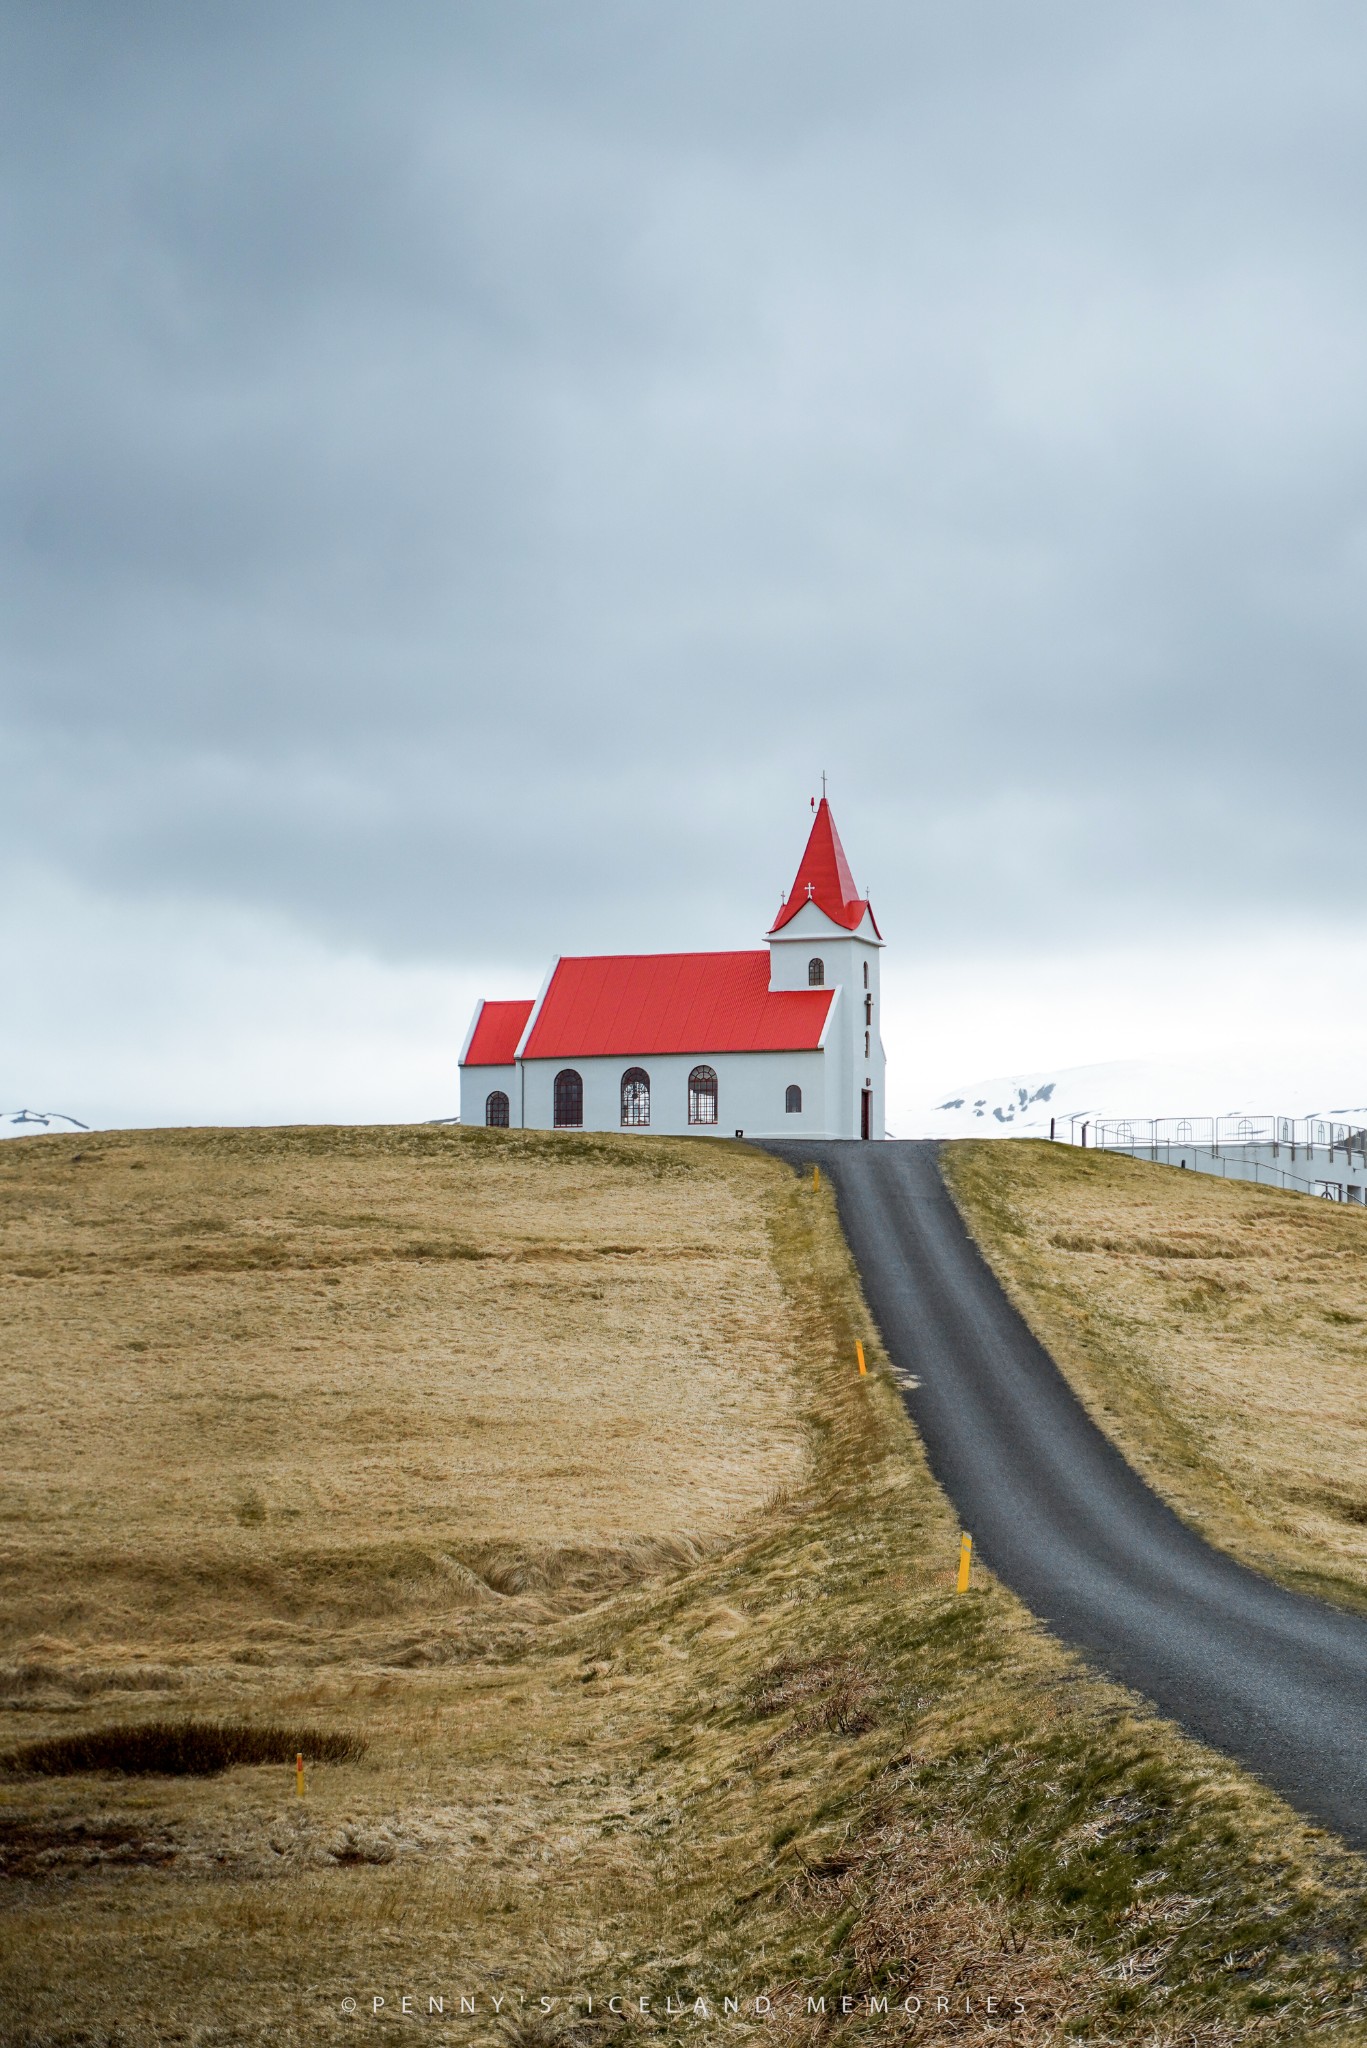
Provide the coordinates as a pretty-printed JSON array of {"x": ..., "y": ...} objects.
[
  {"x": 528, "y": 1485},
  {"x": 1217, "y": 1330},
  {"x": 278, "y": 1392}
]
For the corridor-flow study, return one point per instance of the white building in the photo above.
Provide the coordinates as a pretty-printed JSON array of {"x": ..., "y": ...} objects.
[
  {"x": 780, "y": 1042},
  {"x": 1305, "y": 1155}
]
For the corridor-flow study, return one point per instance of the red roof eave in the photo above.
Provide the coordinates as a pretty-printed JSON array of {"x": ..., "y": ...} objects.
[{"x": 849, "y": 916}]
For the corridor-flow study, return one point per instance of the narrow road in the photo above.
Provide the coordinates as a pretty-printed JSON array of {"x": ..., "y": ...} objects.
[{"x": 1272, "y": 1678}]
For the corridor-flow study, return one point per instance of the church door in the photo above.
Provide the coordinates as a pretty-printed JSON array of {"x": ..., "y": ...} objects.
[{"x": 866, "y": 1112}]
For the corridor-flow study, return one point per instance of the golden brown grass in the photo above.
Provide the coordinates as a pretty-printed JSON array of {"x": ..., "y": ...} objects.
[
  {"x": 788, "y": 1764},
  {"x": 1217, "y": 1330},
  {"x": 303, "y": 1382}
]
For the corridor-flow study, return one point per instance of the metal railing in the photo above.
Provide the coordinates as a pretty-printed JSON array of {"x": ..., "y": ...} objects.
[{"x": 1215, "y": 1133}]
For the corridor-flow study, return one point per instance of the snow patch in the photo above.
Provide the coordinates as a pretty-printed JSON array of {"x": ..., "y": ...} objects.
[{"x": 1023, "y": 1105}]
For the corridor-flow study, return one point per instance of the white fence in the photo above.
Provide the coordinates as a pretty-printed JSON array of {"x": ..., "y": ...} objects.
[
  {"x": 1212, "y": 1132},
  {"x": 1306, "y": 1155}
]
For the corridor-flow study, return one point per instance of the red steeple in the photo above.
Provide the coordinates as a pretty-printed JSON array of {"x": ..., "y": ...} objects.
[{"x": 824, "y": 878}]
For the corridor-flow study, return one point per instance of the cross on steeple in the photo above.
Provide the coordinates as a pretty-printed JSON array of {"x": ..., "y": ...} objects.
[{"x": 811, "y": 890}]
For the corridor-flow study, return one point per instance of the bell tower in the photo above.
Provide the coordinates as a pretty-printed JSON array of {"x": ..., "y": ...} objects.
[{"x": 826, "y": 936}]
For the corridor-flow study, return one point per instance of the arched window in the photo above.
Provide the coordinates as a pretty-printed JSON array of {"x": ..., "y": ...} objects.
[
  {"x": 496, "y": 1110},
  {"x": 816, "y": 974},
  {"x": 702, "y": 1096},
  {"x": 792, "y": 1099},
  {"x": 569, "y": 1100},
  {"x": 636, "y": 1096}
]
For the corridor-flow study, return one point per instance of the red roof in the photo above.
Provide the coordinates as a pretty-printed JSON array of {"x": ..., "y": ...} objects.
[
  {"x": 499, "y": 1028},
  {"x": 824, "y": 878},
  {"x": 658, "y": 1003}
]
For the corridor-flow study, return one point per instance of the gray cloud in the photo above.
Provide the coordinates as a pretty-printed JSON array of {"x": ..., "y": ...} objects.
[{"x": 472, "y": 467}]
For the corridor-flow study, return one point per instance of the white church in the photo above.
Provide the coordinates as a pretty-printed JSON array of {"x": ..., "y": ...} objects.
[{"x": 778, "y": 1043}]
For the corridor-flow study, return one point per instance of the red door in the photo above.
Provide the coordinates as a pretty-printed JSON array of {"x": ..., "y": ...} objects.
[{"x": 866, "y": 1113}]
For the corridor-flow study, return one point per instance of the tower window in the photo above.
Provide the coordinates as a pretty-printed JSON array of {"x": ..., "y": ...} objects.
[
  {"x": 636, "y": 1097},
  {"x": 702, "y": 1096},
  {"x": 866, "y": 974},
  {"x": 816, "y": 974},
  {"x": 569, "y": 1100},
  {"x": 868, "y": 1009},
  {"x": 866, "y": 1045},
  {"x": 496, "y": 1110},
  {"x": 792, "y": 1100}
]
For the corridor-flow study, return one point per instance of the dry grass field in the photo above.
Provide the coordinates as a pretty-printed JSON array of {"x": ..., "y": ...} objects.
[
  {"x": 531, "y": 1480},
  {"x": 292, "y": 1391},
  {"x": 1217, "y": 1330}
]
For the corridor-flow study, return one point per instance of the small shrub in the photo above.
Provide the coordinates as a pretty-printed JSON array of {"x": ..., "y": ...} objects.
[
  {"x": 832, "y": 1693},
  {"x": 180, "y": 1749}
]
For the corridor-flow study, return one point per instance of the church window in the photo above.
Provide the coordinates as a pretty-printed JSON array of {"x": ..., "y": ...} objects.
[
  {"x": 569, "y": 1100},
  {"x": 866, "y": 974},
  {"x": 816, "y": 974},
  {"x": 702, "y": 1096},
  {"x": 792, "y": 1099},
  {"x": 866, "y": 1045},
  {"x": 636, "y": 1097},
  {"x": 868, "y": 1009},
  {"x": 496, "y": 1110}
]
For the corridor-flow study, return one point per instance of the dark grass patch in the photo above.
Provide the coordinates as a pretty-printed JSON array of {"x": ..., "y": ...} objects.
[
  {"x": 834, "y": 1693},
  {"x": 38, "y": 1848},
  {"x": 1330, "y": 1500},
  {"x": 38, "y": 1675},
  {"x": 180, "y": 1749}
]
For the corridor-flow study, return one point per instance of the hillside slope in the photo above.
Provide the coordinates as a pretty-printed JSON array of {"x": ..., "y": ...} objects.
[
  {"x": 620, "y": 1603},
  {"x": 1216, "y": 1330},
  {"x": 312, "y": 1381}
]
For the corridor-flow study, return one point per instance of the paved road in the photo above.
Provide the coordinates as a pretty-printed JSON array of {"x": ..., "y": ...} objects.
[{"x": 1275, "y": 1679}]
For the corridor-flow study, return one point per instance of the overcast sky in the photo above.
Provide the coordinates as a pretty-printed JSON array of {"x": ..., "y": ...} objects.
[{"x": 472, "y": 466}]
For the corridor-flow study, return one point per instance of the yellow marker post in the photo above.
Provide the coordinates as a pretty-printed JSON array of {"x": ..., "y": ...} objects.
[
  {"x": 859, "y": 1354},
  {"x": 299, "y": 1774},
  {"x": 816, "y": 1178},
  {"x": 965, "y": 1561}
]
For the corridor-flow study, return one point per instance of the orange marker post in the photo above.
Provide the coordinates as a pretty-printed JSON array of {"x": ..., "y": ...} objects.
[
  {"x": 816, "y": 1178},
  {"x": 965, "y": 1561},
  {"x": 299, "y": 1774},
  {"x": 859, "y": 1353}
]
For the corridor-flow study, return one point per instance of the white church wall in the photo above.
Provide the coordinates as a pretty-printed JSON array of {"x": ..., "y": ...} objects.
[
  {"x": 476, "y": 1086},
  {"x": 751, "y": 1087}
]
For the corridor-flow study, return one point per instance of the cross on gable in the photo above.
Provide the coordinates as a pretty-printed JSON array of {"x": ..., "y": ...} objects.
[{"x": 811, "y": 890}]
